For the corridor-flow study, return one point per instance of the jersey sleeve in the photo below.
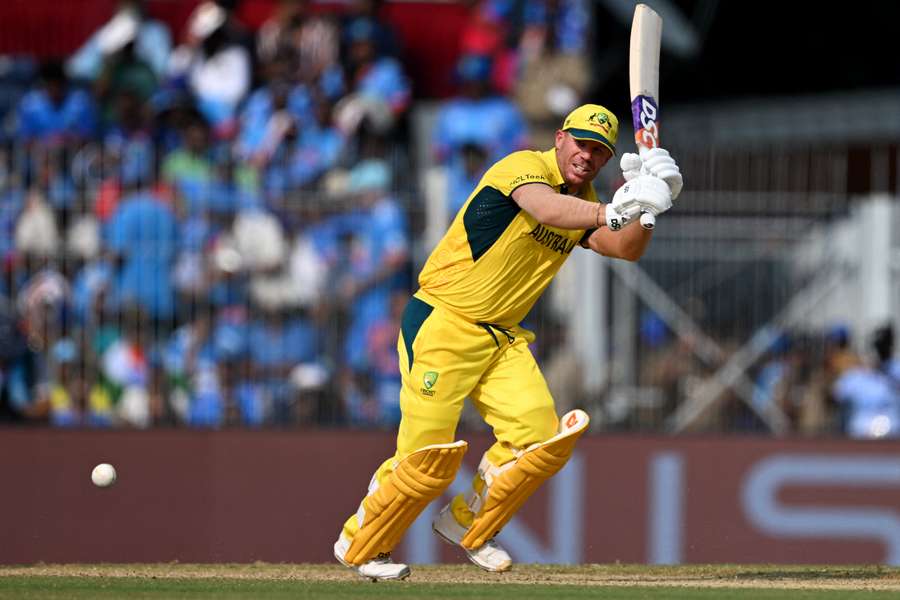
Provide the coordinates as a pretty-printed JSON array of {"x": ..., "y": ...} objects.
[{"x": 518, "y": 169}]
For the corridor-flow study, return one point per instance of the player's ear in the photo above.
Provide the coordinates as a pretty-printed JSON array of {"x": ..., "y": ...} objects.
[{"x": 560, "y": 138}]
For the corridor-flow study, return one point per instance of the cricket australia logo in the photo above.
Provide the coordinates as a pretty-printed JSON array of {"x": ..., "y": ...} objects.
[
  {"x": 428, "y": 380},
  {"x": 599, "y": 119}
]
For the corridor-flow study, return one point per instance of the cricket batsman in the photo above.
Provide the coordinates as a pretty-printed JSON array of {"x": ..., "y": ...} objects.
[{"x": 460, "y": 337}]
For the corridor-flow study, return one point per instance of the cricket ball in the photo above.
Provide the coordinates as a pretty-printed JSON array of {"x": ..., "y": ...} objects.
[{"x": 103, "y": 475}]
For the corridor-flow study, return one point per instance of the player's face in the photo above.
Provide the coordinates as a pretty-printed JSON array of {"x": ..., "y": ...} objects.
[{"x": 579, "y": 160}]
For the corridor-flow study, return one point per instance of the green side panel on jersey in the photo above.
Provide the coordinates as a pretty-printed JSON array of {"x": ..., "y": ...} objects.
[
  {"x": 486, "y": 218},
  {"x": 414, "y": 315}
]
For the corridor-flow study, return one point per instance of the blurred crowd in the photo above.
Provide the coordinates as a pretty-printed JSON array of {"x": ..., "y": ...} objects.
[
  {"x": 214, "y": 227},
  {"x": 811, "y": 382},
  {"x": 217, "y": 227}
]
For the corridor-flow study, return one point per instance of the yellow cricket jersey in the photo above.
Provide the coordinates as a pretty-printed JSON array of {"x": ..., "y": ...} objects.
[{"x": 496, "y": 259}]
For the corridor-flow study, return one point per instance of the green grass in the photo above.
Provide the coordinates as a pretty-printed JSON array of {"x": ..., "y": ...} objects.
[
  {"x": 526, "y": 582},
  {"x": 76, "y": 588}
]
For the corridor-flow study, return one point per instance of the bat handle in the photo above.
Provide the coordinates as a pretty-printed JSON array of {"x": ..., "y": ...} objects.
[{"x": 648, "y": 221}]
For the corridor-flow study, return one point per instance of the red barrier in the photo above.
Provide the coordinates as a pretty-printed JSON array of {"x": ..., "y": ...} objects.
[{"x": 281, "y": 497}]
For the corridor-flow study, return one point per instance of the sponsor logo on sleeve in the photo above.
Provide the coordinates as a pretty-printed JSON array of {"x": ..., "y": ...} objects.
[{"x": 528, "y": 178}]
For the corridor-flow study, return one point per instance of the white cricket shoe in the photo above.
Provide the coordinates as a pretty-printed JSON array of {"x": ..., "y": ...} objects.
[
  {"x": 490, "y": 556},
  {"x": 380, "y": 568}
]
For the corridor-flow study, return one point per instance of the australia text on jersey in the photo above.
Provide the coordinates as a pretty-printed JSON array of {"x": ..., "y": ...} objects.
[{"x": 552, "y": 240}]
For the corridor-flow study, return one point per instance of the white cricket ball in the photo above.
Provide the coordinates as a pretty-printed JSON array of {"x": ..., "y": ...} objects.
[{"x": 103, "y": 475}]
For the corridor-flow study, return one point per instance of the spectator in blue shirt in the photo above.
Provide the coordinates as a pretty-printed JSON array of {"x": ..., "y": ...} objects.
[
  {"x": 243, "y": 398},
  {"x": 565, "y": 22},
  {"x": 280, "y": 94},
  {"x": 279, "y": 342},
  {"x": 54, "y": 112},
  {"x": 50, "y": 177},
  {"x": 379, "y": 90},
  {"x": 128, "y": 142},
  {"x": 475, "y": 118},
  {"x": 378, "y": 401},
  {"x": 293, "y": 152},
  {"x": 317, "y": 148},
  {"x": 383, "y": 33},
  {"x": 870, "y": 396},
  {"x": 143, "y": 233},
  {"x": 172, "y": 111},
  {"x": 12, "y": 201},
  {"x": 378, "y": 250},
  {"x": 205, "y": 361}
]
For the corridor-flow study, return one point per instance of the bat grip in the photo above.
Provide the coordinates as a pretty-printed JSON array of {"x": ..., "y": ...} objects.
[{"x": 648, "y": 219}]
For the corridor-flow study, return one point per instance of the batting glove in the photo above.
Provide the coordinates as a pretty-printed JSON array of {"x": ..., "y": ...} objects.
[
  {"x": 644, "y": 193},
  {"x": 616, "y": 220},
  {"x": 659, "y": 163},
  {"x": 630, "y": 164}
]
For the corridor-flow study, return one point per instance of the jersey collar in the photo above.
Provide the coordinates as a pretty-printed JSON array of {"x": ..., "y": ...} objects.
[{"x": 549, "y": 157}]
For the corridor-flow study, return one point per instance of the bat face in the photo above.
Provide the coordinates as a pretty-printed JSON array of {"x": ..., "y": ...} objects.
[
  {"x": 643, "y": 79},
  {"x": 644, "y": 112},
  {"x": 643, "y": 75}
]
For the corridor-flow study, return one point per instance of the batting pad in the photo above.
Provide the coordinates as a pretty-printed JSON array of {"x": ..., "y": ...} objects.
[
  {"x": 394, "y": 504},
  {"x": 509, "y": 486}
]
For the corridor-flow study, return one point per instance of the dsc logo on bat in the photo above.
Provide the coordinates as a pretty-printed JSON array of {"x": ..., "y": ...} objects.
[{"x": 644, "y": 113}]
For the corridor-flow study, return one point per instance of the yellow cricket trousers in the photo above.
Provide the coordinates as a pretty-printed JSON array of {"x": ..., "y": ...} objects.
[{"x": 444, "y": 359}]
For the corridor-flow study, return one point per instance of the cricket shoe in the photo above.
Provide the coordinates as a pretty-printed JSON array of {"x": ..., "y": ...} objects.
[
  {"x": 490, "y": 556},
  {"x": 380, "y": 568}
]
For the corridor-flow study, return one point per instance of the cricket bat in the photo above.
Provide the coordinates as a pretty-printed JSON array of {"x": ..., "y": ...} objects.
[{"x": 643, "y": 79}]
